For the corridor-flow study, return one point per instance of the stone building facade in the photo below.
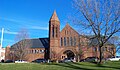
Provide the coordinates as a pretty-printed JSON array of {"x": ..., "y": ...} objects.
[{"x": 66, "y": 43}]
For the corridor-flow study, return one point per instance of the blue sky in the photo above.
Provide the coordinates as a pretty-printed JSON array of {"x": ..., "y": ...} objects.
[{"x": 33, "y": 15}]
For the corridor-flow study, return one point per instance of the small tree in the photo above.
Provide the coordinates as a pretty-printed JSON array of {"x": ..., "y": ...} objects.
[
  {"x": 21, "y": 48},
  {"x": 100, "y": 17},
  {"x": 79, "y": 54},
  {"x": 55, "y": 56}
]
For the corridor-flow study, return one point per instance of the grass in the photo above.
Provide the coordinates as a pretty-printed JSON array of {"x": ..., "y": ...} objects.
[{"x": 61, "y": 66}]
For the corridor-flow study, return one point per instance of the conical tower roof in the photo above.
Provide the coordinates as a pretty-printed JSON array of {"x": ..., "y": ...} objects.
[{"x": 54, "y": 16}]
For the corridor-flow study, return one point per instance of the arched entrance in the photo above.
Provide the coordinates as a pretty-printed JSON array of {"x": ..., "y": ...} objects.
[{"x": 69, "y": 54}]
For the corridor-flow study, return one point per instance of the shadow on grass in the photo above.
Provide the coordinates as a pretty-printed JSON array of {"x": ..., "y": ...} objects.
[
  {"x": 70, "y": 65},
  {"x": 100, "y": 65},
  {"x": 106, "y": 66},
  {"x": 79, "y": 66}
]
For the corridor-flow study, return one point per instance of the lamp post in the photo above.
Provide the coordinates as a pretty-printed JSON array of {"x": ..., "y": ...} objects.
[
  {"x": 1, "y": 42},
  {"x": 2, "y": 37}
]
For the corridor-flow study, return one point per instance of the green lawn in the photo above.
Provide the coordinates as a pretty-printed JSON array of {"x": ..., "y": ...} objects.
[{"x": 61, "y": 66}]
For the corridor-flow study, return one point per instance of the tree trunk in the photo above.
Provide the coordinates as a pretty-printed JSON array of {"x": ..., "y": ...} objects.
[
  {"x": 100, "y": 56},
  {"x": 78, "y": 58}
]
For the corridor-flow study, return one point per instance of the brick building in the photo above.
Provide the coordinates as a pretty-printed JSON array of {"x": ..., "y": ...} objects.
[{"x": 66, "y": 43}]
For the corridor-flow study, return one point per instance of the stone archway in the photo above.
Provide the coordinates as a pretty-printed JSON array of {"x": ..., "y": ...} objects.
[{"x": 69, "y": 54}]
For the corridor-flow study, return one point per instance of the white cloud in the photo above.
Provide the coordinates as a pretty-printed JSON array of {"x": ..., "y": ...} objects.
[
  {"x": 28, "y": 24},
  {"x": 38, "y": 27},
  {"x": 9, "y": 32},
  {"x": 13, "y": 20}
]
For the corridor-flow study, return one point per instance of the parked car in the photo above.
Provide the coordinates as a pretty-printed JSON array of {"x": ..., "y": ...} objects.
[
  {"x": 21, "y": 61},
  {"x": 67, "y": 60},
  {"x": 82, "y": 60},
  {"x": 90, "y": 59},
  {"x": 9, "y": 61},
  {"x": 114, "y": 59},
  {"x": 40, "y": 61}
]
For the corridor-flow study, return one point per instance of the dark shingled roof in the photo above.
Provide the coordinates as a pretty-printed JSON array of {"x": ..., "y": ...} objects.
[
  {"x": 37, "y": 43},
  {"x": 40, "y": 43}
]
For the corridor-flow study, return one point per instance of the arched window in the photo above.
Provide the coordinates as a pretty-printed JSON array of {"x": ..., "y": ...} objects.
[
  {"x": 64, "y": 41},
  {"x": 53, "y": 31},
  {"x": 74, "y": 41},
  {"x": 67, "y": 41},
  {"x": 61, "y": 41},
  {"x": 71, "y": 41}
]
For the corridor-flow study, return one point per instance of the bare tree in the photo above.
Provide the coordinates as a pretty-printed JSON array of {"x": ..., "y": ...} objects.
[
  {"x": 55, "y": 56},
  {"x": 84, "y": 41},
  {"x": 101, "y": 17},
  {"x": 79, "y": 54},
  {"x": 23, "y": 43}
]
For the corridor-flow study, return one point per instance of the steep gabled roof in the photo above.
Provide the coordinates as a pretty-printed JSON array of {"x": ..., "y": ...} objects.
[
  {"x": 54, "y": 16},
  {"x": 69, "y": 27},
  {"x": 40, "y": 43},
  {"x": 36, "y": 43}
]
